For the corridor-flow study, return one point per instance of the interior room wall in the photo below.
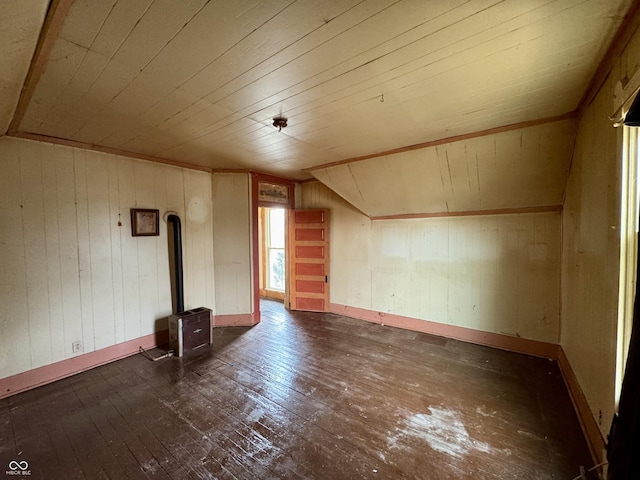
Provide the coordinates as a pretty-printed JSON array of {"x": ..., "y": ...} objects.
[
  {"x": 232, "y": 245},
  {"x": 71, "y": 270},
  {"x": 494, "y": 273},
  {"x": 591, "y": 245}
]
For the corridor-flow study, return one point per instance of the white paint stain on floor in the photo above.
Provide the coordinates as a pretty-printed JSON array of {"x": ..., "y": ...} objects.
[{"x": 441, "y": 429}]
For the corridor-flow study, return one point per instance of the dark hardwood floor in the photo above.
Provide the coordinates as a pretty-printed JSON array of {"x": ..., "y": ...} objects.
[{"x": 302, "y": 395}]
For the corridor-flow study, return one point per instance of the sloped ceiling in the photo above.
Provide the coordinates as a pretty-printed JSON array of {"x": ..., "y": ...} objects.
[
  {"x": 200, "y": 81},
  {"x": 518, "y": 169},
  {"x": 20, "y": 24}
]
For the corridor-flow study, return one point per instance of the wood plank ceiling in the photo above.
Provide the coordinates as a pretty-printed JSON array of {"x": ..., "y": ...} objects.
[
  {"x": 20, "y": 24},
  {"x": 200, "y": 81}
]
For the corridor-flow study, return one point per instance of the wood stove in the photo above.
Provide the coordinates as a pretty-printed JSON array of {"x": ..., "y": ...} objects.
[{"x": 190, "y": 330}]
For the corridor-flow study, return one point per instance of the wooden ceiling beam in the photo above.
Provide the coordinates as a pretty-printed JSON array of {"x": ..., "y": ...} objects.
[{"x": 56, "y": 14}]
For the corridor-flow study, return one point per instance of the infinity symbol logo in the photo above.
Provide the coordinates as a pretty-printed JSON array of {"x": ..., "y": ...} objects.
[{"x": 13, "y": 465}]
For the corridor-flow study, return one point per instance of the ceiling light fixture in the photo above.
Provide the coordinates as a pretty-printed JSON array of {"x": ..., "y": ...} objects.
[{"x": 279, "y": 122}]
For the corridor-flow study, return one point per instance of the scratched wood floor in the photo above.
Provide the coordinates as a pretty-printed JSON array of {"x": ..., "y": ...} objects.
[{"x": 303, "y": 395}]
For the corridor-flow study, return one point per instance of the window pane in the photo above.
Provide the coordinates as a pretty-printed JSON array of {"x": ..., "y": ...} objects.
[
  {"x": 276, "y": 269},
  {"x": 276, "y": 228}
]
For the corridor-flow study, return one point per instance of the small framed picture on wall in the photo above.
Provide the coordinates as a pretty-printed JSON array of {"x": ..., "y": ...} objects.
[
  {"x": 271, "y": 192},
  {"x": 145, "y": 222}
]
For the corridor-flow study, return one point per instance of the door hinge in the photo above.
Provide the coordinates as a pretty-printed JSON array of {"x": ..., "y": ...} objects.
[{"x": 326, "y": 279}]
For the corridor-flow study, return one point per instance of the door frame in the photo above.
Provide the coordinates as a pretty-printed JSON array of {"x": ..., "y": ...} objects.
[{"x": 257, "y": 200}]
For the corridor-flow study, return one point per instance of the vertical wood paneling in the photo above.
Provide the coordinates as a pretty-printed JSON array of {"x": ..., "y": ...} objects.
[
  {"x": 591, "y": 245},
  {"x": 70, "y": 272},
  {"x": 351, "y": 240},
  {"x": 84, "y": 248},
  {"x": 15, "y": 354},
  {"x": 129, "y": 250},
  {"x": 199, "y": 251},
  {"x": 71, "y": 301},
  {"x": 35, "y": 253},
  {"x": 434, "y": 265},
  {"x": 232, "y": 245},
  {"x": 175, "y": 191},
  {"x": 163, "y": 178},
  {"x": 492, "y": 273},
  {"x": 55, "y": 323},
  {"x": 508, "y": 275},
  {"x": 190, "y": 225},
  {"x": 160, "y": 305},
  {"x": 100, "y": 249},
  {"x": 477, "y": 273},
  {"x": 526, "y": 167},
  {"x": 113, "y": 167},
  {"x": 147, "y": 250}
]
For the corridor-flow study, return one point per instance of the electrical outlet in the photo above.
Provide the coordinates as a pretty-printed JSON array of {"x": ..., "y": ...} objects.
[{"x": 76, "y": 347}]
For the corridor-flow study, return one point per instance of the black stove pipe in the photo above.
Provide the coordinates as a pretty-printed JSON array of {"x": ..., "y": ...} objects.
[{"x": 177, "y": 255}]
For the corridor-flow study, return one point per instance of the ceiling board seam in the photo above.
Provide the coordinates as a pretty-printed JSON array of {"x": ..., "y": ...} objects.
[
  {"x": 359, "y": 66},
  {"x": 108, "y": 62},
  {"x": 413, "y": 60},
  {"x": 109, "y": 134},
  {"x": 448, "y": 140},
  {"x": 54, "y": 19},
  {"x": 45, "y": 117},
  {"x": 357, "y": 102},
  {"x": 355, "y": 182},
  {"x": 312, "y": 76},
  {"x": 152, "y": 59},
  {"x": 283, "y": 49},
  {"x": 453, "y": 193},
  {"x": 244, "y": 111},
  {"x": 205, "y": 66},
  {"x": 449, "y": 45},
  {"x": 115, "y": 52},
  {"x": 238, "y": 42}
]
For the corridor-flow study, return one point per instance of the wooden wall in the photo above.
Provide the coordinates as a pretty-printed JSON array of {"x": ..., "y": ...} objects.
[
  {"x": 591, "y": 245},
  {"x": 524, "y": 167},
  {"x": 495, "y": 273},
  {"x": 232, "y": 243},
  {"x": 70, "y": 271}
]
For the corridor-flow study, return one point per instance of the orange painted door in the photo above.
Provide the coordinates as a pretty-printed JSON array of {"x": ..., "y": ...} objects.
[{"x": 309, "y": 260}]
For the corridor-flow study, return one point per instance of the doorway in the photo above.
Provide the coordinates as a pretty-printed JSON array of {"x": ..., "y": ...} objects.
[{"x": 272, "y": 227}]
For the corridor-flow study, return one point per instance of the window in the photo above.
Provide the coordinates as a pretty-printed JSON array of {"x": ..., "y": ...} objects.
[
  {"x": 628, "y": 247},
  {"x": 274, "y": 248}
]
